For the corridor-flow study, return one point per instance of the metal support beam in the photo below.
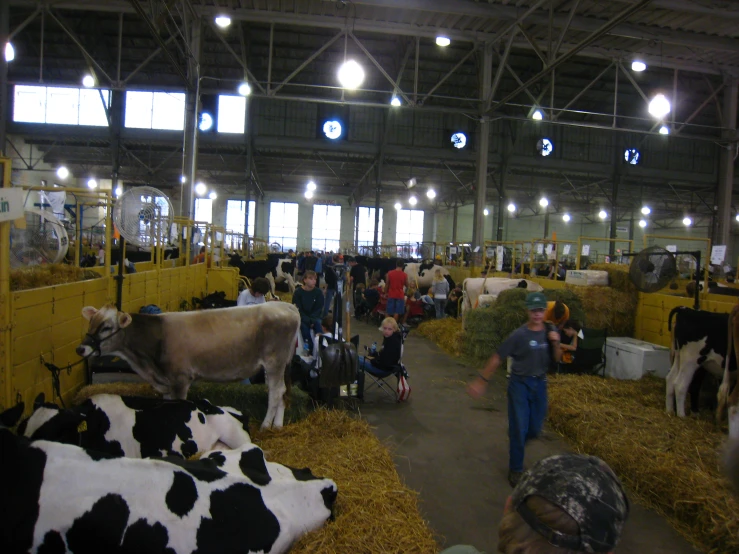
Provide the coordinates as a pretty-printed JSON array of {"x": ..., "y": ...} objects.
[
  {"x": 614, "y": 206},
  {"x": 23, "y": 24},
  {"x": 699, "y": 109},
  {"x": 455, "y": 213},
  {"x": 566, "y": 28},
  {"x": 534, "y": 46},
  {"x": 190, "y": 154},
  {"x": 269, "y": 60},
  {"x": 486, "y": 75},
  {"x": 115, "y": 119},
  {"x": 149, "y": 58},
  {"x": 238, "y": 58},
  {"x": 633, "y": 82},
  {"x": 312, "y": 57},
  {"x": 583, "y": 91},
  {"x": 4, "y": 28},
  {"x": 722, "y": 233},
  {"x": 379, "y": 67},
  {"x": 449, "y": 74},
  {"x": 415, "y": 71},
  {"x": 499, "y": 72}
]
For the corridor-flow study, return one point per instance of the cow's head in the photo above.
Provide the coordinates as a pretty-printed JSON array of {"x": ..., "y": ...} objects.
[{"x": 103, "y": 336}]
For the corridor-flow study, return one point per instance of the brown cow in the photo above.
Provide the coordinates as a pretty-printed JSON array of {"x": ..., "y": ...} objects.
[{"x": 171, "y": 350}]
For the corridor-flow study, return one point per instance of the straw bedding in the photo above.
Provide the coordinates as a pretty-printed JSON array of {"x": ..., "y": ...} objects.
[
  {"x": 668, "y": 463},
  {"x": 447, "y": 333},
  {"x": 47, "y": 275},
  {"x": 375, "y": 512}
]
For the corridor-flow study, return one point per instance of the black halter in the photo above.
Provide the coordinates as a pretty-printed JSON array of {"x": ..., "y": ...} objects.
[{"x": 97, "y": 342}]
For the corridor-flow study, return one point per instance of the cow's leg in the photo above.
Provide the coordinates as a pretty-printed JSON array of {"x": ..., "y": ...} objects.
[
  {"x": 274, "y": 374},
  {"x": 682, "y": 383},
  {"x": 670, "y": 389},
  {"x": 178, "y": 388}
]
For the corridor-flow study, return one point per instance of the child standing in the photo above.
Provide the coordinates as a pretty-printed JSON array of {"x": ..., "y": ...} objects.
[
  {"x": 309, "y": 301},
  {"x": 440, "y": 290},
  {"x": 529, "y": 346}
]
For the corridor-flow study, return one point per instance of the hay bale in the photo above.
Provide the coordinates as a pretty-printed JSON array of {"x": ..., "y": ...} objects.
[
  {"x": 618, "y": 276},
  {"x": 375, "y": 511},
  {"x": 670, "y": 464},
  {"x": 47, "y": 275},
  {"x": 487, "y": 328},
  {"x": 607, "y": 307},
  {"x": 446, "y": 333},
  {"x": 249, "y": 399}
]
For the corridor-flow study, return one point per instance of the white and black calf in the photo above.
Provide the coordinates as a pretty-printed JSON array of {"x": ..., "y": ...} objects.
[
  {"x": 61, "y": 498},
  {"x": 138, "y": 427},
  {"x": 699, "y": 339}
]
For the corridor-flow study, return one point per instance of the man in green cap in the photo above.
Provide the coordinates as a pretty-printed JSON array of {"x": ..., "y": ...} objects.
[{"x": 532, "y": 347}]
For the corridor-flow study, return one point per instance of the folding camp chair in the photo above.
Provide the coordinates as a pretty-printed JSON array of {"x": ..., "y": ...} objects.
[
  {"x": 590, "y": 356},
  {"x": 378, "y": 376}
]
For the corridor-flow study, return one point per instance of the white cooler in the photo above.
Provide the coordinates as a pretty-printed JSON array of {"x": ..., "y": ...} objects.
[{"x": 628, "y": 358}]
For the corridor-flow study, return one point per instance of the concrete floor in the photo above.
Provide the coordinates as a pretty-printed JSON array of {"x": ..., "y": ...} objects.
[{"x": 454, "y": 451}]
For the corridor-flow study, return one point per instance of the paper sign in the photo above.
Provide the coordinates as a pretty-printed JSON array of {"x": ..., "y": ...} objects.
[
  {"x": 490, "y": 252},
  {"x": 727, "y": 268},
  {"x": 452, "y": 249},
  {"x": 585, "y": 249},
  {"x": 11, "y": 203},
  {"x": 718, "y": 254},
  {"x": 551, "y": 254},
  {"x": 539, "y": 248},
  {"x": 499, "y": 253},
  {"x": 566, "y": 250},
  {"x": 477, "y": 249},
  {"x": 671, "y": 248}
]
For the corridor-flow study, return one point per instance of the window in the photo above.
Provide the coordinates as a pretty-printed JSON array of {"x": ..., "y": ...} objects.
[
  {"x": 60, "y": 105},
  {"x": 155, "y": 110},
  {"x": 409, "y": 228},
  {"x": 326, "y": 227},
  {"x": 283, "y": 224},
  {"x": 231, "y": 114},
  {"x": 235, "y": 216},
  {"x": 366, "y": 227},
  {"x": 203, "y": 211}
]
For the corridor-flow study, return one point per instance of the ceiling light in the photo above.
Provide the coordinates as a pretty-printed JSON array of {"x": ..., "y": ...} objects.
[
  {"x": 223, "y": 21},
  {"x": 638, "y": 66},
  {"x": 459, "y": 140},
  {"x": 485, "y": 212},
  {"x": 659, "y": 107},
  {"x": 200, "y": 189},
  {"x": 602, "y": 214},
  {"x": 687, "y": 222},
  {"x": 88, "y": 81},
  {"x": 206, "y": 121},
  {"x": 244, "y": 89},
  {"x": 311, "y": 185},
  {"x": 62, "y": 172},
  {"x": 642, "y": 223},
  {"x": 443, "y": 41},
  {"x": 118, "y": 190},
  {"x": 398, "y": 205},
  {"x": 395, "y": 101},
  {"x": 645, "y": 210},
  {"x": 92, "y": 183},
  {"x": 9, "y": 52},
  {"x": 537, "y": 115},
  {"x": 737, "y": 217},
  {"x": 543, "y": 202},
  {"x": 309, "y": 194},
  {"x": 351, "y": 75},
  {"x": 332, "y": 129},
  {"x": 411, "y": 182},
  {"x": 664, "y": 130},
  {"x": 431, "y": 193},
  {"x": 511, "y": 207},
  {"x": 413, "y": 200},
  {"x": 566, "y": 218},
  {"x": 212, "y": 195},
  {"x": 183, "y": 179}
]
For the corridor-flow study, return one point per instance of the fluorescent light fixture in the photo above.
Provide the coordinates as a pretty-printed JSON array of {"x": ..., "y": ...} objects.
[
  {"x": 62, "y": 172},
  {"x": 351, "y": 75},
  {"x": 413, "y": 200},
  {"x": 200, "y": 189},
  {"x": 646, "y": 210},
  {"x": 212, "y": 195},
  {"x": 511, "y": 207},
  {"x": 566, "y": 218},
  {"x": 431, "y": 193},
  {"x": 664, "y": 130},
  {"x": 223, "y": 21},
  {"x": 443, "y": 41},
  {"x": 659, "y": 106},
  {"x": 395, "y": 101},
  {"x": 308, "y": 194},
  {"x": 92, "y": 183},
  {"x": 311, "y": 185},
  {"x": 537, "y": 115},
  {"x": 485, "y": 212},
  {"x": 118, "y": 190},
  {"x": 543, "y": 202},
  {"x": 88, "y": 81},
  {"x": 642, "y": 223},
  {"x": 9, "y": 52},
  {"x": 244, "y": 89},
  {"x": 602, "y": 214},
  {"x": 183, "y": 179},
  {"x": 687, "y": 221},
  {"x": 398, "y": 205},
  {"x": 638, "y": 66},
  {"x": 411, "y": 182}
]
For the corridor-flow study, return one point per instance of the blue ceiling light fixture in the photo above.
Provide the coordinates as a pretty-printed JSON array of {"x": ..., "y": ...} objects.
[
  {"x": 206, "y": 122},
  {"x": 332, "y": 129},
  {"x": 632, "y": 156},
  {"x": 545, "y": 147},
  {"x": 459, "y": 140}
]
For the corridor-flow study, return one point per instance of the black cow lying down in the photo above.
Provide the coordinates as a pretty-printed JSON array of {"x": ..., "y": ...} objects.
[
  {"x": 61, "y": 498},
  {"x": 138, "y": 427}
]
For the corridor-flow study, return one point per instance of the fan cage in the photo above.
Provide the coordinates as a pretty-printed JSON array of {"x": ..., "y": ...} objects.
[{"x": 143, "y": 216}]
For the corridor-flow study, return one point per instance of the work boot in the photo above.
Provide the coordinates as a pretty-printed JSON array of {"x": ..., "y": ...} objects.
[{"x": 514, "y": 477}]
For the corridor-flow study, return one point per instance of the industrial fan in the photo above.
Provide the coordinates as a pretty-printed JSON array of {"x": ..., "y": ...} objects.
[
  {"x": 654, "y": 268},
  {"x": 43, "y": 241},
  {"x": 143, "y": 216},
  {"x": 275, "y": 247}
]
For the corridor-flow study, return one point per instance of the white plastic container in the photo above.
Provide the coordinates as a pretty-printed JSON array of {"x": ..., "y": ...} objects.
[
  {"x": 587, "y": 277},
  {"x": 628, "y": 358}
]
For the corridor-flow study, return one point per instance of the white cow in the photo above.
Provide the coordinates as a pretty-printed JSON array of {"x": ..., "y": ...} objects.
[
  {"x": 489, "y": 287},
  {"x": 423, "y": 278}
]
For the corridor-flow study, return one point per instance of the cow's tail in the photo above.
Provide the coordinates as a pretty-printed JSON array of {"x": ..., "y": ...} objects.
[
  {"x": 288, "y": 369},
  {"x": 725, "y": 388}
]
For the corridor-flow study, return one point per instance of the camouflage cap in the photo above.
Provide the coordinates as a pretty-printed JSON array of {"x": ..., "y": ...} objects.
[{"x": 584, "y": 487}]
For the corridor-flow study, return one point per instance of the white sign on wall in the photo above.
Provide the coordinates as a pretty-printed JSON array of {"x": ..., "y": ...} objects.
[
  {"x": 11, "y": 203},
  {"x": 718, "y": 254},
  {"x": 671, "y": 248},
  {"x": 551, "y": 254},
  {"x": 499, "y": 258},
  {"x": 490, "y": 252},
  {"x": 540, "y": 248},
  {"x": 566, "y": 249},
  {"x": 585, "y": 249}
]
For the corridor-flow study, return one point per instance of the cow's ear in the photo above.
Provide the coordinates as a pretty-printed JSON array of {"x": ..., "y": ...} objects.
[
  {"x": 88, "y": 312},
  {"x": 39, "y": 401},
  {"x": 124, "y": 319}
]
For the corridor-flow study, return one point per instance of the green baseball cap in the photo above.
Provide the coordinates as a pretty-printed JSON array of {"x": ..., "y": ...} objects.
[{"x": 536, "y": 301}]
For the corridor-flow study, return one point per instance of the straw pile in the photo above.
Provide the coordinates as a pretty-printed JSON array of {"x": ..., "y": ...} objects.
[
  {"x": 248, "y": 399},
  {"x": 618, "y": 276},
  {"x": 668, "y": 463},
  {"x": 47, "y": 275},
  {"x": 284, "y": 296},
  {"x": 374, "y": 511},
  {"x": 607, "y": 307},
  {"x": 447, "y": 333}
]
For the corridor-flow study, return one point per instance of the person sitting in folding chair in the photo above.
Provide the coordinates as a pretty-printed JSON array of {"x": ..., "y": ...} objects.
[
  {"x": 568, "y": 340},
  {"x": 387, "y": 361}
]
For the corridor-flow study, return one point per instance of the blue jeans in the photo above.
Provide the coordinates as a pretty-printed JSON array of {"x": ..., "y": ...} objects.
[
  {"x": 395, "y": 306},
  {"x": 439, "y": 304},
  {"x": 305, "y": 329},
  {"x": 527, "y": 409},
  {"x": 364, "y": 363},
  {"x": 328, "y": 304}
]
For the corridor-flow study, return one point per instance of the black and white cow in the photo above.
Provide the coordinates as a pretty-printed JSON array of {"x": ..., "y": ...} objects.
[
  {"x": 699, "y": 339},
  {"x": 61, "y": 498},
  {"x": 138, "y": 427}
]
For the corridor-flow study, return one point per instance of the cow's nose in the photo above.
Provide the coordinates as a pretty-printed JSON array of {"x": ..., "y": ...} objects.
[{"x": 80, "y": 350}]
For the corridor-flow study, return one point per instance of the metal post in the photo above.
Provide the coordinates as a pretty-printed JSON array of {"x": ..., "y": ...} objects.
[
  {"x": 454, "y": 223},
  {"x": 726, "y": 171},
  {"x": 191, "y": 124},
  {"x": 249, "y": 161},
  {"x": 546, "y": 222},
  {"x": 478, "y": 234},
  {"x": 614, "y": 209},
  {"x": 4, "y": 30}
]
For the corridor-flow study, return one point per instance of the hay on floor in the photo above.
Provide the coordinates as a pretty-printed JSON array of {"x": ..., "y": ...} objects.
[
  {"x": 47, "y": 275},
  {"x": 248, "y": 399},
  {"x": 446, "y": 333},
  {"x": 670, "y": 464},
  {"x": 375, "y": 512}
]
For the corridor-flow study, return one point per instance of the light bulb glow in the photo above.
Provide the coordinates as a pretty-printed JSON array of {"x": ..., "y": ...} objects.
[
  {"x": 398, "y": 205},
  {"x": 511, "y": 207},
  {"x": 664, "y": 130},
  {"x": 646, "y": 210},
  {"x": 88, "y": 81},
  {"x": 459, "y": 140},
  {"x": 638, "y": 66},
  {"x": 395, "y": 101},
  {"x": 411, "y": 182},
  {"x": 351, "y": 75},
  {"x": 602, "y": 214},
  {"x": 443, "y": 41},
  {"x": 244, "y": 89},
  {"x": 413, "y": 200},
  {"x": 183, "y": 179},
  {"x": 223, "y": 21},
  {"x": 737, "y": 217},
  {"x": 9, "y": 52},
  {"x": 659, "y": 106},
  {"x": 543, "y": 202},
  {"x": 642, "y": 223},
  {"x": 62, "y": 172},
  {"x": 118, "y": 190},
  {"x": 537, "y": 115},
  {"x": 332, "y": 129},
  {"x": 311, "y": 185},
  {"x": 309, "y": 194},
  {"x": 200, "y": 189},
  {"x": 687, "y": 222},
  {"x": 566, "y": 218},
  {"x": 92, "y": 183},
  {"x": 213, "y": 195},
  {"x": 485, "y": 212},
  {"x": 431, "y": 193},
  {"x": 206, "y": 121}
]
